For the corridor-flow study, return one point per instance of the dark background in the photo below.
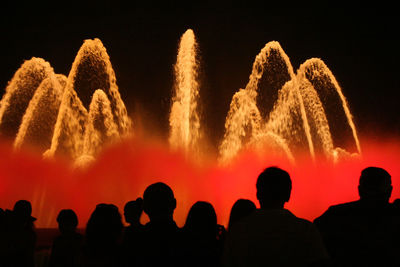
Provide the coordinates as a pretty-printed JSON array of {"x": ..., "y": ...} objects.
[{"x": 360, "y": 44}]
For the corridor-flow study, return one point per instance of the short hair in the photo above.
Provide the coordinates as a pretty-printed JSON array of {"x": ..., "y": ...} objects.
[
  {"x": 67, "y": 217},
  {"x": 23, "y": 207},
  {"x": 133, "y": 210},
  {"x": 274, "y": 184},
  {"x": 134, "y": 205},
  {"x": 158, "y": 198},
  {"x": 375, "y": 181}
]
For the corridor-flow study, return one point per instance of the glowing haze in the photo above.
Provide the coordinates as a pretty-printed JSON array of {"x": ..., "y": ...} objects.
[{"x": 308, "y": 129}]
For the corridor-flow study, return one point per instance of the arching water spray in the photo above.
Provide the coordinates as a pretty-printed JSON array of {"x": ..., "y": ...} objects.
[
  {"x": 91, "y": 70},
  {"x": 37, "y": 125},
  {"x": 101, "y": 128},
  {"x": 244, "y": 123},
  {"x": 298, "y": 120},
  {"x": 277, "y": 110},
  {"x": 184, "y": 118},
  {"x": 340, "y": 120},
  {"x": 19, "y": 92}
]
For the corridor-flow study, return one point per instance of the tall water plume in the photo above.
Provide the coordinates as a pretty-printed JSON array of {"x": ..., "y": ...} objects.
[
  {"x": 184, "y": 118},
  {"x": 19, "y": 92}
]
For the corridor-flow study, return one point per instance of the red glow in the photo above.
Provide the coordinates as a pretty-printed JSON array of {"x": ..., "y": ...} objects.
[{"x": 122, "y": 173}]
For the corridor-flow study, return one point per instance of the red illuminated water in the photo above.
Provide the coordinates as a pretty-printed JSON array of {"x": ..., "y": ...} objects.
[{"x": 122, "y": 172}]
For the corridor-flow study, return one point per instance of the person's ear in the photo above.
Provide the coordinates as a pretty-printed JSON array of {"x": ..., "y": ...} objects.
[
  {"x": 360, "y": 192},
  {"x": 287, "y": 197},
  {"x": 145, "y": 208},
  {"x": 390, "y": 191},
  {"x": 174, "y": 204}
]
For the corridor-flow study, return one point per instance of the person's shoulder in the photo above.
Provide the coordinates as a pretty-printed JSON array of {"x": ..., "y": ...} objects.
[
  {"x": 344, "y": 208},
  {"x": 336, "y": 212},
  {"x": 347, "y": 208},
  {"x": 302, "y": 223}
]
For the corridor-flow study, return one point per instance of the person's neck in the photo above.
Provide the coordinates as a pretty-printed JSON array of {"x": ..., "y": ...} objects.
[
  {"x": 135, "y": 224},
  {"x": 374, "y": 203},
  {"x": 272, "y": 206},
  {"x": 162, "y": 220}
]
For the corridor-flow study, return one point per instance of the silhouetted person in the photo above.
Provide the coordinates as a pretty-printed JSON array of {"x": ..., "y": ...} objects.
[
  {"x": 103, "y": 234},
  {"x": 161, "y": 234},
  {"x": 133, "y": 233},
  {"x": 132, "y": 213},
  {"x": 364, "y": 232},
  {"x": 67, "y": 247},
  {"x": 241, "y": 209},
  {"x": 20, "y": 235},
  {"x": 202, "y": 241},
  {"x": 272, "y": 235}
]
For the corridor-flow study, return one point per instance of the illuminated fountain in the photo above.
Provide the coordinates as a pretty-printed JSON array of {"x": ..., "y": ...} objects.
[
  {"x": 299, "y": 116},
  {"x": 297, "y": 119},
  {"x": 73, "y": 117},
  {"x": 19, "y": 92},
  {"x": 278, "y": 110},
  {"x": 40, "y": 117},
  {"x": 184, "y": 119}
]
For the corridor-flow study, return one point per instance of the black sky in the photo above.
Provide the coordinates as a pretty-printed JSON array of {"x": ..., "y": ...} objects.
[{"x": 359, "y": 44}]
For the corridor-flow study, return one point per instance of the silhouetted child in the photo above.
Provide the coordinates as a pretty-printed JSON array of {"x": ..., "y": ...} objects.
[
  {"x": 102, "y": 238},
  {"x": 132, "y": 213},
  {"x": 133, "y": 233},
  {"x": 365, "y": 232},
  {"x": 272, "y": 235},
  {"x": 20, "y": 235},
  {"x": 240, "y": 209},
  {"x": 67, "y": 247},
  {"x": 202, "y": 242}
]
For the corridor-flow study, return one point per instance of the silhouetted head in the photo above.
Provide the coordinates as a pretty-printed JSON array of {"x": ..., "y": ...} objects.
[
  {"x": 67, "y": 221},
  {"x": 104, "y": 226},
  {"x": 133, "y": 210},
  {"x": 375, "y": 185},
  {"x": 241, "y": 209},
  {"x": 159, "y": 202},
  {"x": 23, "y": 210},
  {"x": 202, "y": 220},
  {"x": 273, "y": 188}
]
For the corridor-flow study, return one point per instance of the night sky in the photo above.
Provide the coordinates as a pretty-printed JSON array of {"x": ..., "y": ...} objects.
[{"x": 360, "y": 45}]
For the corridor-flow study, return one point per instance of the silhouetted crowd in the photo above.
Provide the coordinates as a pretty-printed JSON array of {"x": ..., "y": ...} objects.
[{"x": 365, "y": 232}]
